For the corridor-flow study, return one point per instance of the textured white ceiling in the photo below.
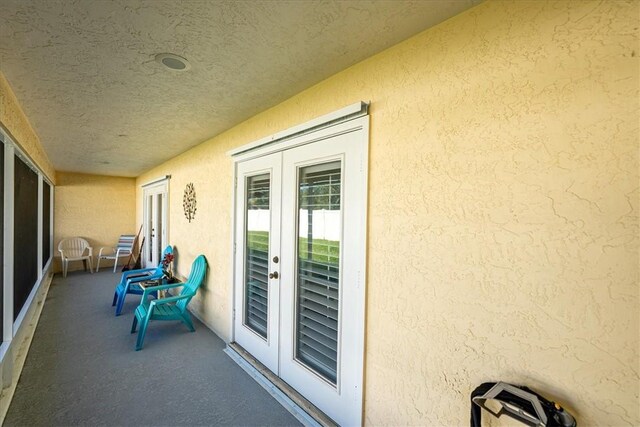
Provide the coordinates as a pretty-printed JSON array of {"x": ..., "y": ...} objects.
[{"x": 84, "y": 72}]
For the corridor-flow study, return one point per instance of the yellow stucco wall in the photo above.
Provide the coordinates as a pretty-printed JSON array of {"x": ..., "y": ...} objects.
[
  {"x": 97, "y": 208},
  {"x": 14, "y": 121},
  {"x": 503, "y": 210}
]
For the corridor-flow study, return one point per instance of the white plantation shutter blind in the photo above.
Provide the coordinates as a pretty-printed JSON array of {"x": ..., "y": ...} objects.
[
  {"x": 257, "y": 258},
  {"x": 318, "y": 281}
]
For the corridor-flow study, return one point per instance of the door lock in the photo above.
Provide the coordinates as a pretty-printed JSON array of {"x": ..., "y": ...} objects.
[
  {"x": 276, "y": 259},
  {"x": 273, "y": 275}
]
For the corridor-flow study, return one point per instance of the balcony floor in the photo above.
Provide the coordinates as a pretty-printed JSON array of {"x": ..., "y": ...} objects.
[{"x": 82, "y": 368}]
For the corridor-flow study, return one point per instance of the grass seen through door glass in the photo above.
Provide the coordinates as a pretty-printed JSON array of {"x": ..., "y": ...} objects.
[{"x": 323, "y": 251}]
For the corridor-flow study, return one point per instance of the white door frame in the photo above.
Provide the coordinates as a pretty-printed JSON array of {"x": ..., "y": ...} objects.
[
  {"x": 335, "y": 126},
  {"x": 153, "y": 189}
]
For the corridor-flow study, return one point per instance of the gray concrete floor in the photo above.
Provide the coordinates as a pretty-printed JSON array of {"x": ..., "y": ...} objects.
[{"x": 82, "y": 368}]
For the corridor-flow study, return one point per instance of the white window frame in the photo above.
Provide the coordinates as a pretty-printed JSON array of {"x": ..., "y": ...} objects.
[{"x": 11, "y": 327}]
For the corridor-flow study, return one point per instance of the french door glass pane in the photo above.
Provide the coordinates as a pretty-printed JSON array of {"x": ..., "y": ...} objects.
[
  {"x": 318, "y": 268},
  {"x": 258, "y": 223},
  {"x": 150, "y": 222},
  {"x": 158, "y": 232}
]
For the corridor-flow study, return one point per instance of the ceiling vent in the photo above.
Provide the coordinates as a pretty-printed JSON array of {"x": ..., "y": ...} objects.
[{"x": 173, "y": 62}]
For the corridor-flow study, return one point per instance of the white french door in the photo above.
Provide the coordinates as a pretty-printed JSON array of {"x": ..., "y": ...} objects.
[
  {"x": 258, "y": 236},
  {"x": 299, "y": 265},
  {"x": 155, "y": 207}
]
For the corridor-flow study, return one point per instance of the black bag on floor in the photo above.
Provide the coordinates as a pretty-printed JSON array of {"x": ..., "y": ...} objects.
[{"x": 520, "y": 403}]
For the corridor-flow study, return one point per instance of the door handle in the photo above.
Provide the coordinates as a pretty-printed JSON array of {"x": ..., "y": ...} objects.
[{"x": 273, "y": 275}]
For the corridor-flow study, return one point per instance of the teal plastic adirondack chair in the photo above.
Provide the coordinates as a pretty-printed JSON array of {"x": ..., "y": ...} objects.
[
  {"x": 171, "y": 308},
  {"x": 130, "y": 279}
]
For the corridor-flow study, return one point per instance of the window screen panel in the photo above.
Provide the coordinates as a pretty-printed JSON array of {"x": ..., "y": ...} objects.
[
  {"x": 25, "y": 229},
  {"x": 46, "y": 223}
]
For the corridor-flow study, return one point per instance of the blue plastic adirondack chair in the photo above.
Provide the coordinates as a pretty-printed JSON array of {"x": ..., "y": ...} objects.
[
  {"x": 171, "y": 308},
  {"x": 130, "y": 279}
]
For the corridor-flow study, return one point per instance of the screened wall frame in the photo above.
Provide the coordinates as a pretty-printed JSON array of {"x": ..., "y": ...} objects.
[{"x": 12, "y": 321}]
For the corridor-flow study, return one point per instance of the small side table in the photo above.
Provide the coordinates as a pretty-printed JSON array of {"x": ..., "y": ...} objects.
[{"x": 150, "y": 284}]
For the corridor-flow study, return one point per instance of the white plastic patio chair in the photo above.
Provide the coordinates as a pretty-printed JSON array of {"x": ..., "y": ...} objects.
[
  {"x": 75, "y": 249},
  {"x": 124, "y": 248}
]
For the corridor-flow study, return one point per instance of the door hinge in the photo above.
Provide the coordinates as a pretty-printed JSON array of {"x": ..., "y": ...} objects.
[{"x": 234, "y": 314}]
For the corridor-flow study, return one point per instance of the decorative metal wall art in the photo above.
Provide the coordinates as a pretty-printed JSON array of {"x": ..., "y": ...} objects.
[{"x": 189, "y": 202}]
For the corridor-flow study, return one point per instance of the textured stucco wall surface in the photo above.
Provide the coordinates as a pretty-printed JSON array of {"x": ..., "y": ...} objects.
[
  {"x": 97, "y": 208},
  {"x": 14, "y": 121},
  {"x": 503, "y": 210}
]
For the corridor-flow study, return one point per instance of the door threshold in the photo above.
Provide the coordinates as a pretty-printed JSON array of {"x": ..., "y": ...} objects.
[{"x": 306, "y": 412}]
